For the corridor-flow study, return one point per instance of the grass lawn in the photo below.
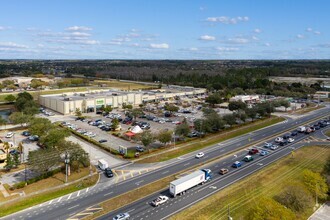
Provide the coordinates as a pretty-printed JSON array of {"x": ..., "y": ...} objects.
[
  {"x": 196, "y": 144},
  {"x": 44, "y": 195},
  {"x": 243, "y": 195},
  {"x": 327, "y": 133},
  {"x": 308, "y": 109}
]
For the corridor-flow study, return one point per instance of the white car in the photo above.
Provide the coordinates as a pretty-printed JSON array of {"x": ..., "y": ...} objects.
[
  {"x": 273, "y": 147},
  {"x": 199, "y": 155},
  {"x": 290, "y": 140},
  {"x": 278, "y": 139},
  {"x": 121, "y": 216},
  {"x": 9, "y": 134},
  {"x": 160, "y": 200}
]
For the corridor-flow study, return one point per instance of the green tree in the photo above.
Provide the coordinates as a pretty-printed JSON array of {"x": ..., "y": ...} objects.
[
  {"x": 78, "y": 157},
  {"x": 315, "y": 183},
  {"x": 251, "y": 113},
  {"x": 40, "y": 126},
  {"x": 19, "y": 118},
  {"x": 135, "y": 112},
  {"x": 43, "y": 160},
  {"x": 295, "y": 197},
  {"x": 208, "y": 111},
  {"x": 115, "y": 124},
  {"x": 9, "y": 162},
  {"x": 171, "y": 108},
  {"x": 147, "y": 138},
  {"x": 54, "y": 136},
  {"x": 237, "y": 105},
  {"x": 108, "y": 109},
  {"x": 78, "y": 112},
  {"x": 10, "y": 98},
  {"x": 213, "y": 99},
  {"x": 16, "y": 160},
  {"x": 3, "y": 121},
  {"x": 229, "y": 119},
  {"x": 269, "y": 209},
  {"x": 327, "y": 167},
  {"x": 25, "y": 103},
  {"x": 182, "y": 129},
  {"x": 164, "y": 136},
  {"x": 214, "y": 122}
]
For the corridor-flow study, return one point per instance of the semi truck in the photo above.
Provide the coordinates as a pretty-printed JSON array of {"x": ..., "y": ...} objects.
[{"x": 181, "y": 185}]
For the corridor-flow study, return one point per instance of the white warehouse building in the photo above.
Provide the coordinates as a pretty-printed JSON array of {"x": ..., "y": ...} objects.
[{"x": 67, "y": 103}]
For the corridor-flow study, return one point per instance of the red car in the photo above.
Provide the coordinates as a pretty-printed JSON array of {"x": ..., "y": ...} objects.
[{"x": 253, "y": 151}]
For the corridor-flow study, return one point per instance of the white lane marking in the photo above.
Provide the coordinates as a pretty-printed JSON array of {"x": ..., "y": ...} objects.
[
  {"x": 50, "y": 202},
  {"x": 138, "y": 182},
  {"x": 131, "y": 210},
  {"x": 78, "y": 193},
  {"x": 186, "y": 164},
  {"x": 73, "y": 207},
  {"x": 108, "y": 193},
  {"x": 59, "y": 199},
  {"x": 165, "y": 171},
  {"x": 69, "y": 196},
  {"x": 87, "y": 189}
]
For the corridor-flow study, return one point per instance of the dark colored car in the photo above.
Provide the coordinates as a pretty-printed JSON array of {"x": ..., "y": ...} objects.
[
  {"x": 253, "y": 151},
  {"x": 102, "y": 141},
  {"x": 108, "y": 172},
  {"x": 150, "y": 117},
  {"x": 26, "y": 133},
  {"x": 286, "y": 136},
  {"x": 14, "y": 151},
  {"x": 139, "y": 149},
  {"x": 294, "y": 133},
  {"x": 284, "y": 142}
]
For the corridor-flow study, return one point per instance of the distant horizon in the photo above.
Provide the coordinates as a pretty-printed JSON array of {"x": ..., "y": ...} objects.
[{"x": 165, "y": 30}]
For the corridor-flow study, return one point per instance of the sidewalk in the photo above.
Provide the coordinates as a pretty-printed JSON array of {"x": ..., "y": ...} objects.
[{"x": 321, "y": 213}]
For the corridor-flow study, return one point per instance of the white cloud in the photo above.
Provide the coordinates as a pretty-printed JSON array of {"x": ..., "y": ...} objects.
[
  {"x": 257, "y": 30},
  {"x": 267, "y": 44},
  {"x": 11, "y": 45},
  {"x": 300, "y": 36},
  {"x": 309, "y": 29},
  {"x": 238, "y": 40},
  {"x": 202, "y": 8},
  {"x": 79, "y": 28},
  {"x": 80, "y": 34},
  {"x": 317, "y": 32},
  {"x": 227, "y": 49},
  {"x": 255, "y": 38},
  {"x": 207, "y": 38},
  {"x": 159, "y": 46},
  {"x": 135, "y": 45},
  {"x": 193, "y": 49},
  {"x": 228, "y": 20}
]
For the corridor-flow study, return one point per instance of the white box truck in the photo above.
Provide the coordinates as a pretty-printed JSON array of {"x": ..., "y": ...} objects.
[
  {"x": 179, "y": 186},
  {"x": 301, "y": 129},
  {"x": 102, "y": 164}
]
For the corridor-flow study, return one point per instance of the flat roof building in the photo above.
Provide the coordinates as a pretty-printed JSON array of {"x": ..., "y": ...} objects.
[{"x": 67, "y": 103}]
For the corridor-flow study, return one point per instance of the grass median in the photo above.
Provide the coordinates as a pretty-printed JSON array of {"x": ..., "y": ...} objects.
[
  {"x": 308, "y": 109},
  {"x": 197, "y": 144},
  {"x": 45, "y": 190},
  {"x": 269, "y": 182}
]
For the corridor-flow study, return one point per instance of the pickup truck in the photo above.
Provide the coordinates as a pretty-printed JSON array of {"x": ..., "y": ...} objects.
[{"x": 160, "y": 200}]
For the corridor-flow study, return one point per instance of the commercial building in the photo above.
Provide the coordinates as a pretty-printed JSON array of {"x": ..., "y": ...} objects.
[
  {"x": 248, "y": 99},
  {"x": 67, "y": 103}
]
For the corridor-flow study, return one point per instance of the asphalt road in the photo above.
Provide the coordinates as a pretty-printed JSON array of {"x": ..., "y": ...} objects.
[
  {"x": 69, "y": 205},
  {"x": 143, "y": 210}
]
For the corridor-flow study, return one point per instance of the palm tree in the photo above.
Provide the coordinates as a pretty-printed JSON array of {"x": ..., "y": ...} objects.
[{"x": 6, "y": 146}]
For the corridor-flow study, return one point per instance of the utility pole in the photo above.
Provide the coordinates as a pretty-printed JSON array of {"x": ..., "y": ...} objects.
[{"x": 66, "y": 161}]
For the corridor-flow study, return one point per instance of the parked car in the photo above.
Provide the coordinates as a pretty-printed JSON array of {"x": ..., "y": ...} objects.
[
  {"x": 33, "y": 138},
  {"x": 294, "y": 133},
  {"x": 108, "y": 172},
  {"x": 290, "y": 140},
  {"x": 139, "y": 149},
  {"x": 26, "y": 133},
  {"x": 199, "y": 155},
  {"x": 223, "y": 171},
  {"x": 236, "y": 164},
  {"x": 121, "y": 216},
  {"x": 103, "y": 141},
  {"x": 278, "y": 139},
  {"x": 274, "y": 147},
  {"x": 10, "y": 134}
]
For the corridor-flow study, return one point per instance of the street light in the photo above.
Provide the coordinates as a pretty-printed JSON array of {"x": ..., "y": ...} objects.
[
  {"x": 174, "y": 138},
  {"x": 66, "y": 158}
]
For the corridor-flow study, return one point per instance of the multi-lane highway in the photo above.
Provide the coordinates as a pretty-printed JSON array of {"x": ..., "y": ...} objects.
[
  {"x": 69, "y": 205},
  {"x": 142, "y": 209}
]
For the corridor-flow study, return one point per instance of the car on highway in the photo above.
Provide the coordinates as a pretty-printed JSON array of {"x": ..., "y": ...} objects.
[
  {"x": 121, "y": 216},
  {"x": 248, "y": 158},
  {"x": 10, "y": 134},
  {"x": 290, "y": 140},
  {"x": 268, "y": 145},
  {"x": 236, "y": 164},
  {"x": 274, "y": 147},
  {"x": 286, "y": 136},
  {"x": 223, "y": 171},
  {"x": 278, "y": 139},
  {"x": 294, "y": 133},
  {"x": 263, "y": 153},
  {"x": 160, "y": 200},
  {"x": 103, "y": 141},
  {"x": 199, "y": 155},
  {"x": 253, "y": 151},
  {"x": 284, "y": 142},
  {"x": 108, "y": 172}
]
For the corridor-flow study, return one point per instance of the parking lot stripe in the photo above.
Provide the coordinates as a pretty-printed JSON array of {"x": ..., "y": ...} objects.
[
  {"x": 131, "y": 173},
  {"x": 122, "y": 173}
]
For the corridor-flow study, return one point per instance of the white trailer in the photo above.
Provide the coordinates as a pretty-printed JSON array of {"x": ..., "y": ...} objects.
[
  {"x": 102, "y": 164},
  {"x": 179, "y": 186}
]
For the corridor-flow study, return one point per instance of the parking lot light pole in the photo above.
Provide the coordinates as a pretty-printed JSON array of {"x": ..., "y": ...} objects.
[{"x": 66, "y": 161}]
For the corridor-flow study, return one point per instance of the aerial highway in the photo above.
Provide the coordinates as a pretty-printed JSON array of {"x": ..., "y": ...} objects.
[{"x": 71, "y": 204}]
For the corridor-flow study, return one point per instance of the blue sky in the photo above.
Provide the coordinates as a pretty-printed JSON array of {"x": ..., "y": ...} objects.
[{"x": 167, "y": 29}]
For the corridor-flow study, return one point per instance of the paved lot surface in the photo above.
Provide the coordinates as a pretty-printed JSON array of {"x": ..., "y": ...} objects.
[{"x": 323, "y": 213}]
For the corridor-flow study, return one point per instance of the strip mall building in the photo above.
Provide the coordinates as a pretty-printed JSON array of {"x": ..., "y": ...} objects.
[{"x": 67, "y": 103}]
